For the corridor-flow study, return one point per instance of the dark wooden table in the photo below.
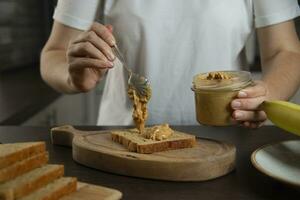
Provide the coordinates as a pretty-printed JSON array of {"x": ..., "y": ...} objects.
[{"x": 244, "y": 183}]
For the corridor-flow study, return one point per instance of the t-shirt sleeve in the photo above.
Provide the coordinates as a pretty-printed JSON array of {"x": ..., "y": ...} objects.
[
  {"x": 269, "y": 12},
  {"x": 79, "y": 14}
]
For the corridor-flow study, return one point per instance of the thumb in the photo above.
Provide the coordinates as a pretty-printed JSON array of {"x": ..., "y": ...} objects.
[
  {"x": 257, "y": 90},
  {"x": 109, "y": 27}
]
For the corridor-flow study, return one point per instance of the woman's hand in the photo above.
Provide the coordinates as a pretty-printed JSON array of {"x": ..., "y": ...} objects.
[
  {"x": 246, "y": 105},
  {"x": 89, "y": 56}
]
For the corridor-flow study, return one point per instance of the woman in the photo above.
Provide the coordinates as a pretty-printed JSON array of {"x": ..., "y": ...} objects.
[{"x": 170, "y": 41}]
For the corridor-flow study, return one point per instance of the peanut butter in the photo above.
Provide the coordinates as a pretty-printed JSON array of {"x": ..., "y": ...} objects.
[
  {"x": 159, "y": 132},
  {"x": 140, "y": 114},
  {"x": 218, "y": 76},
  {"x": 213, "y": 93}
]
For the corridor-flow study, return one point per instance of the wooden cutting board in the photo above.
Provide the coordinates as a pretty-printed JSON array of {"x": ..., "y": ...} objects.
[
  {"x": 93, "y": 192},
  {"x": 207, "y": 160}
]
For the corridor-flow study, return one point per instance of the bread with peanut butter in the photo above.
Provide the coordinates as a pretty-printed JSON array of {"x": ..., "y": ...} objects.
[{"x": 153, "y": 139}]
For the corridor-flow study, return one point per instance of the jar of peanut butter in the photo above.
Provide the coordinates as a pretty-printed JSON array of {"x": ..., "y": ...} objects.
[{"x": 214, "y": 92}]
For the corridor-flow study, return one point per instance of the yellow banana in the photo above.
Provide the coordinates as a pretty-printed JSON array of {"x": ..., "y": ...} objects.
[{"x": 283, "y": 114}]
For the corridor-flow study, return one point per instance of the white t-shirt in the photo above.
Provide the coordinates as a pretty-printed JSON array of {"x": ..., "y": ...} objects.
[{"x": 169, "y": 41}]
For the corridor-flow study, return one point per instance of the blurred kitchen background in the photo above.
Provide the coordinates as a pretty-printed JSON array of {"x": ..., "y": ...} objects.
[{"x": 24, "y": 98}]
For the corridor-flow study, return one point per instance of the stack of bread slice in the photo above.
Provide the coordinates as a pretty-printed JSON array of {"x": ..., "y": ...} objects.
[{"x": 25, "y": 174}]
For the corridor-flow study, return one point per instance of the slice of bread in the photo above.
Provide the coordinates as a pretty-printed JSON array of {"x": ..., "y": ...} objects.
[
  {"x": 93, "y": 192},
  {"x": 135, "y": 142},
  {"x": 54, "y": 190},
  {"x": 7, "y": 194},
  {"x": 23, "y": 166},
  {"x": 30, "y": 181},
  {"x": 11, "y": 153}
]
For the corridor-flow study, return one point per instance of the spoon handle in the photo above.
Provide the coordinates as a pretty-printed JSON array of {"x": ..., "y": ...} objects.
[{"x": 119, "y": 55}]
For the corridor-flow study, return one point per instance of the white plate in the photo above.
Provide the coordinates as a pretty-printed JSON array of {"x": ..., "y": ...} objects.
[{"x": 280, "y": 161}]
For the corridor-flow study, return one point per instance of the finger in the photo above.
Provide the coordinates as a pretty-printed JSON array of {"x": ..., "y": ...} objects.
[
  {"x": 79, "y": 77},
  {"x": 104, "y": 33},
  {"x": 241, "y": 115},
  {"x": 83, "y": 84},
  {"x": 83, "y": 80},
  {"x": 233, "y": 121},
  {"x": 246, "y": 124},
  {"x": 109, "y": 27},
  {"x": 253, "y": 125},
  {"x": 86, "y": 49},
  {"x": 256, "y": 124},
  {"x": 260, "y": 124},
  {"x": 100, "y": 72},
  {"x": 100, "y": 44},
  {"x": 247, "y": 104},
  {"x": 81, "y": 63},
  {"x": 259, "y": 89}
]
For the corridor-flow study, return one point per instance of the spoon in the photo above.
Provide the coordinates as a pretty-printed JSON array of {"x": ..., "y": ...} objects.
[{"x": 137, "y": 81}]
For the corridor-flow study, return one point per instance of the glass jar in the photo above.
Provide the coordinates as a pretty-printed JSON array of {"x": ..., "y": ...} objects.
[{"x": 213, "y": 96}]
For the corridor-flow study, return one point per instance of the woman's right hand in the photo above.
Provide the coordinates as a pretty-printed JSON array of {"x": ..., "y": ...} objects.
[{"x": 89, "y": 56}]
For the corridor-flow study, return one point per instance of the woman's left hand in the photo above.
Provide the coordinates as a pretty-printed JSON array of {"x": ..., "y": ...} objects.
[{"x": 246, "y": 105}]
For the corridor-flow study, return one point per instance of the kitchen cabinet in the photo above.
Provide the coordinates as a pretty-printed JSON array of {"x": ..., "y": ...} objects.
[
  {"x": 78, "y": 109},
  {"x": 66, "y": 109},
  {"x": 21, "y": 27}
]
